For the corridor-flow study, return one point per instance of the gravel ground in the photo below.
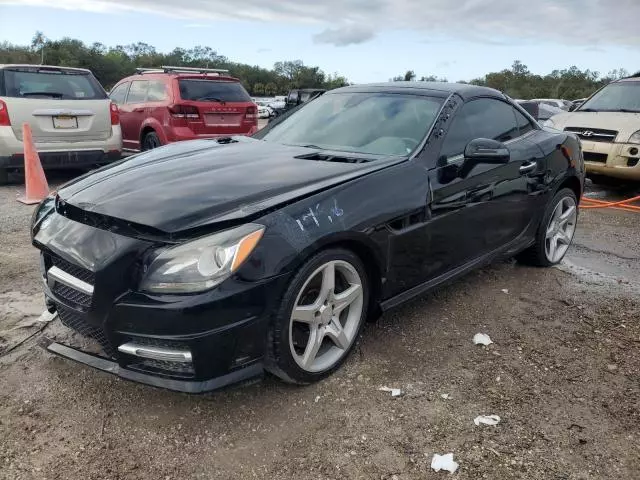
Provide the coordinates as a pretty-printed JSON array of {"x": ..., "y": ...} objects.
[{"x": 563, "y": 375}]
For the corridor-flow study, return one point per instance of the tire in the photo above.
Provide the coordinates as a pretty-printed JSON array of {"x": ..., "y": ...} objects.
[
  {"x": 292, "y": 355},
  {"x": 151, "y": 141},
  {"x": 560, "y": 224}
]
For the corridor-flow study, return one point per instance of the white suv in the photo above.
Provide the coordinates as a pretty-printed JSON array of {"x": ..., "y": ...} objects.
[
  {"x": 608, "y": 125},
  {"x": 74, "y": 123}
]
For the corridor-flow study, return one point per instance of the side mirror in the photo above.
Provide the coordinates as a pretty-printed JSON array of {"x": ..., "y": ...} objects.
[
  {"x": 532, "y": 108},
  {"x": 484, "y": 150}
]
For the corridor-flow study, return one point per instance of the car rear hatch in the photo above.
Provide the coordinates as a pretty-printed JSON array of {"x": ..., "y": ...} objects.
[
  {"x": 61, "y": 105},
  {"x": 212, "y": 106}
]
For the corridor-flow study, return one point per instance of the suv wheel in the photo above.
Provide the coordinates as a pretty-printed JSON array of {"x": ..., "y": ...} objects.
[{"x": 151, "y": 141}]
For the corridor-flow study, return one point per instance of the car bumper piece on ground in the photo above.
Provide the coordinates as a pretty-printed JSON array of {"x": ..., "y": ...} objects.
[{"x": 619, "y": 160}]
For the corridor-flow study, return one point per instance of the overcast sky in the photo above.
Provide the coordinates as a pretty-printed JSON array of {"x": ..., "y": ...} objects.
[{"x": 365, "y": 40}]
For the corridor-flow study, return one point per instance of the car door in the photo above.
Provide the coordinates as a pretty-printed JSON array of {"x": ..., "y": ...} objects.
[
  {"x": 478, "y": 210},
  {"x": 133, "y": 114}
]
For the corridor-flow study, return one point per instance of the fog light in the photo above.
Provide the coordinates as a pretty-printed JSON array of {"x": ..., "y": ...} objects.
[
  {"x": 633, "y": 151},
  {"x": 156, "y": 353}
]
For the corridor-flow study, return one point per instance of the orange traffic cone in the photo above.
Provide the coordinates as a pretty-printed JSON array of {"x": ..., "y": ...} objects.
[{"x": 36, "y": 185}]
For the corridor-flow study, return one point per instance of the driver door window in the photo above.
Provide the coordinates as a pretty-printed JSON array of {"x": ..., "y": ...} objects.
[{"x": 482, "y": 118}]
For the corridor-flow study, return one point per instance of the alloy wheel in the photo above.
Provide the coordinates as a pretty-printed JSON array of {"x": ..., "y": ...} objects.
[
  {"x": 561, "y": 228},
  {"x": 326, "y": 316}
]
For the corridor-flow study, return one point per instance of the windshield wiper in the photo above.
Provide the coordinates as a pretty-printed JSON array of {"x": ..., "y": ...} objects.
[
  {"x": 625, "y": 110},
  {"x": 586, "y": 110},
  {"x": 47, "y": 94},
  {"x": 210, "y": 98}
]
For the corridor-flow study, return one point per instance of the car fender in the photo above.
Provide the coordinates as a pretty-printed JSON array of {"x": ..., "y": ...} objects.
[{"x": 156, "y": 126}]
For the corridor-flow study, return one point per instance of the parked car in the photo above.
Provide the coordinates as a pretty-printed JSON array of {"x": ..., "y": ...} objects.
[
  {"x": 170, "y": 104},
  {"x": 74, "y": 123},
  {"x": 576, "y": 103},
  {"x": 299, "y": 96},
  {"x": 539, "y": 110},
  {"x": 264, "y": 111},
  {"x": 554, "y": 102},
  {"x": 608, "y": 125},
  {"x": 202, "y": 264}
]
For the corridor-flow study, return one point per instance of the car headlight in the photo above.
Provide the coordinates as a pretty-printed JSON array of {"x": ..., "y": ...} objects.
[
  {"x": 40, "y": 212},
  {"x": 203, "y": 263},
  {"x": 635, "y": 138}
]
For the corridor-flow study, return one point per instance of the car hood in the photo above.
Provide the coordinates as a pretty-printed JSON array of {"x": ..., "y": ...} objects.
[
  {"x": 626, "y": 124},
  {"x": 192, "y": 184}
]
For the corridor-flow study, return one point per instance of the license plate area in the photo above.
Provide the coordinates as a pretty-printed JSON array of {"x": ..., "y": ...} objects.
[{"x": 65, "y": 122}]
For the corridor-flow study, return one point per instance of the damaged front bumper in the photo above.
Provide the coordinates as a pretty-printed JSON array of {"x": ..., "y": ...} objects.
[{"x": 106, "y": 365}]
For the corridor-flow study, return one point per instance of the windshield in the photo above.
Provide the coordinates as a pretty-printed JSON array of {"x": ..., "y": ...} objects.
[
  {"x": 374, "y": 123},
  {"x": 58, "y": 84},
  {"x": 615, "y": 97},
  {"x": 212, "y": 91}
]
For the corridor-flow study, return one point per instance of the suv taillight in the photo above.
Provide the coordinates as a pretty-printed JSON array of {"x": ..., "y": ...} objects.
[
  {"x": 251, "y": 114},
  {"x": 115, "y": 114},
  {"x": 5, "y": 121},
  {"x": 184, "y": 111}
]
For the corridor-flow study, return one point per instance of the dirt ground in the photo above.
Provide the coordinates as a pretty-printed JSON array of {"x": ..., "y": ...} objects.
[{"x": 563, "y": 375}]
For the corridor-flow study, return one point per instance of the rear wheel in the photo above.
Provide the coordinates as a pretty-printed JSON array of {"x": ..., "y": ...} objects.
[
  {"x": 151, "y": 141},
  {"x": 555, "y": 232},
  {"x": 320, "y": 317}
]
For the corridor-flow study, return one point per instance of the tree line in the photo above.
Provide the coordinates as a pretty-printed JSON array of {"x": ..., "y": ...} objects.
[
  {"x": 518, "y": 82},
  {"x": 110, "y": 64}
]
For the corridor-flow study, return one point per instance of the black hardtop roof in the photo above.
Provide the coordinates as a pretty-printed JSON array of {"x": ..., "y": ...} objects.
[{"x": 435, "y": 89}]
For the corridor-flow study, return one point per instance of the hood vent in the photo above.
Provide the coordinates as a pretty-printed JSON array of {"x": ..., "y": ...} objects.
[{"x": 324, "y": 157}]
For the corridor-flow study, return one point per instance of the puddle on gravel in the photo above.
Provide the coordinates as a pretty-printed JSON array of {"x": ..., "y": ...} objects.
[{"x": 607, "y": 273}]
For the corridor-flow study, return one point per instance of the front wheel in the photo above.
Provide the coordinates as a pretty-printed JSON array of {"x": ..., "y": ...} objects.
[
  {"x": 319, "y": 318},
  {"x": 555, "y": 232}
]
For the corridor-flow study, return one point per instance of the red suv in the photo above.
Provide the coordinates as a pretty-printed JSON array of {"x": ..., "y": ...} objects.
[{"x": 159, "y": 106}]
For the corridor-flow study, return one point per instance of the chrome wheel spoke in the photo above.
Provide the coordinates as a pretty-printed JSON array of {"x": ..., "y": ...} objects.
[
  {"x": 336, "y": 334},
  {"x": 313, "y": 346},
  {"x": 343, "y": 299},
  {"x": 304, "y": 313},
  {"x": 562, "y": 237},
  {"x": 566, "y": 216},
  {"x": 328, "y": 281}
]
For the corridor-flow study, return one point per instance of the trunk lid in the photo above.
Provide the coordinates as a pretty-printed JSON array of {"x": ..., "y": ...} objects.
[{"x": 60, "y": 120}]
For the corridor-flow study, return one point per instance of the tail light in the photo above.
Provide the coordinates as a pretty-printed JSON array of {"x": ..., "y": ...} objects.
[
  {"x": 251, "y": 113},
  {"x": 184, "y": 111},
  {"x": 4, "y": 115},
  {"x": 115, "y": 114}
]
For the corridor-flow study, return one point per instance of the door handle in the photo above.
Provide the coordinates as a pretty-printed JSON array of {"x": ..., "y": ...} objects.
[{"x": 528, "y": 167}]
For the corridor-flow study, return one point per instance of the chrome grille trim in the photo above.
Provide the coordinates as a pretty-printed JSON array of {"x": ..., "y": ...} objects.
[{"x": 54, "y": 274}]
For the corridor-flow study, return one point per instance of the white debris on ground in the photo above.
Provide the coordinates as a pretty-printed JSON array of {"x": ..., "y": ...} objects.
[
  {"x": 317, "y": 399},
  {"x": 482, "y": 339},
  {"x": 395, "y": 392},
  {"x": 446, "y": 396},
  {"x": 444, "y": 462},
  {"x": 487, "y": 420},
  {"x": 505, "y": 290}
]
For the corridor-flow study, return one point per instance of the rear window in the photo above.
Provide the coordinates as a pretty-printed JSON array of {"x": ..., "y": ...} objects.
[
  {"x": 58, "y": 84},
  {"x": 212, "y": 91}
]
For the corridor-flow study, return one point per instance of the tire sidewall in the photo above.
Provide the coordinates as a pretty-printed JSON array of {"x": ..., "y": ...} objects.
[
  {"x": 280, "y": 351},
  {"x": 147, "y": 137}
]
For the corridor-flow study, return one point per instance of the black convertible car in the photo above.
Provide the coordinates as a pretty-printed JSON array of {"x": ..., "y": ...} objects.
[{"x": 204, "y": 263}]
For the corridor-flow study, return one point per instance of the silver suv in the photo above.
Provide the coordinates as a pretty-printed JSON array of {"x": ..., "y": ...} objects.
[{"x": 74, "y": 123}]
